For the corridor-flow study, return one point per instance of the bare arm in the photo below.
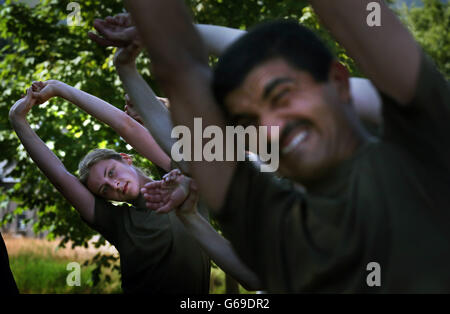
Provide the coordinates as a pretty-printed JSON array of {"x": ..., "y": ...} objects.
[
  {"x": 153, "y": 113},
  {"x": 128, "y": 128},
  {"x": 180, "y": 64},
  {"x": 69, "y": 186},
  {"x": 387, "y": 54},
  {"x": 218, "y": 38},
  {"x": 220, "y": 250},
  {"x": 366, "y": 100}
]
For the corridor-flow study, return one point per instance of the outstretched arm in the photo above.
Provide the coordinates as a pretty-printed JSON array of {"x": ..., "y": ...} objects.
[
  {"x": 153, "y": 114},
  {"x": 128, "y": 128},
  {"x": 180, "y": 63},
  {"x": 66, "y": 183},
  {"x": 387, "y": 54},
  {"x": 366, "y": 100},
  {"x": 218, "y": 38},
  {"x": 220, "y": 250}
]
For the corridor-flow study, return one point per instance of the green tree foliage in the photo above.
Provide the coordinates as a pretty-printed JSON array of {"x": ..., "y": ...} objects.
[
  {"x": 430, "y": 25},
  {"x": 38, "y": 45},
  {"x": 243, "y": 14}
]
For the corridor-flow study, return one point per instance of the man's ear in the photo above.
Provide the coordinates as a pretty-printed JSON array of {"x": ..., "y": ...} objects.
[
  {"x": 339, "y": 76},
  {"x": 127, "y": 158}
]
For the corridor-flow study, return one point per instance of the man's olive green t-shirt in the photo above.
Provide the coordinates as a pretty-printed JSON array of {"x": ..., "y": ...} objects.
[
  {"x": 388, "y": 204},
  {"x": 157, "y": 254}
]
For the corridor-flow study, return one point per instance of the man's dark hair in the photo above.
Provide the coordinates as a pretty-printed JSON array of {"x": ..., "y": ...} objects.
[{"x": 289, "y": 40}]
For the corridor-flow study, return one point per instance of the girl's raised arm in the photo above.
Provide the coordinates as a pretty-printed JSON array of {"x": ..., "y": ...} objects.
[
  {"x": 66, "y": 183},
  {"x": 129, "y": 129}
]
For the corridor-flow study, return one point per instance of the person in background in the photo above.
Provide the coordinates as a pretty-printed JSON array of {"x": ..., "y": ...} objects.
[
  {"x": 8, "y": 285},
  {"x": 157, "y": 254}
]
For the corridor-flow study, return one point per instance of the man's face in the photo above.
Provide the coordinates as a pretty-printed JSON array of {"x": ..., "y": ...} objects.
[{"x": 308, "y": 114}]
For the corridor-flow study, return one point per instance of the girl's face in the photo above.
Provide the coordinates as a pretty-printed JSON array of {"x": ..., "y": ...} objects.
[{"x": 114, "y": 180}]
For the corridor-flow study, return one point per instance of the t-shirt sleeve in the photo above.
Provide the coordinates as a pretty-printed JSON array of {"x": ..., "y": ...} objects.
[
  {"x": 423, "y": 126},
  {"x": 106, "y": 219},
  {"x": 251, "y": 217}
]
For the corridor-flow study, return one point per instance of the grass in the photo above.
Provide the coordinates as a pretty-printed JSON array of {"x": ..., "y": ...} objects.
[
  {"x": 39, "y": 266},
  {"x": 35, "y": 274}
]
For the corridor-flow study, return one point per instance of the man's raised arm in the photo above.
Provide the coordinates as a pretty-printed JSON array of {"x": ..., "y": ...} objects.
[
  {"x": 179, "y": 62},
  {"x": 387, "y": 54}
]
